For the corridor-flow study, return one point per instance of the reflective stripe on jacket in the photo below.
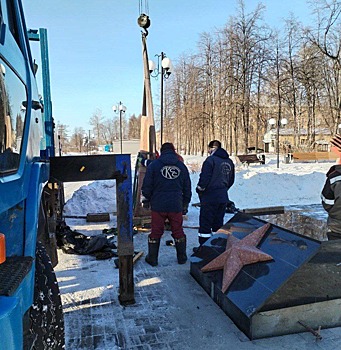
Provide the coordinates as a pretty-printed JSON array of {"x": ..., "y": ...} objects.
[{"x": 331, "y": 198}]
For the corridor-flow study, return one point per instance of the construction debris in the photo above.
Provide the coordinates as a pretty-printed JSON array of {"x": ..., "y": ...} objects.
[{"x": 311, "y": 330}]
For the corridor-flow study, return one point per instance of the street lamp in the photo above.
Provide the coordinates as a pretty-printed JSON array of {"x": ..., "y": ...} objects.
[
  {"x": 121, "y": 109},
  {"x": 282, "y": 122},
  {"x": 89, "y": 141},
  {"x": 165, "y": 71}
]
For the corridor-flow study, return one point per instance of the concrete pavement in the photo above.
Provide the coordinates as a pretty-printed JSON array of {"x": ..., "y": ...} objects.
[{"x": 172, "y": 311}]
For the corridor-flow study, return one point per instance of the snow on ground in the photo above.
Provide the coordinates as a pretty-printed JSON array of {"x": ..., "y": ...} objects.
[{"x": 256, "y": 186}]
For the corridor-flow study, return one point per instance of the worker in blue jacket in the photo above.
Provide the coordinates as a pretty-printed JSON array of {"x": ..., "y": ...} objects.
[
  {"x": 216, "y": 177},
  {"x": 166, "y": 189}
]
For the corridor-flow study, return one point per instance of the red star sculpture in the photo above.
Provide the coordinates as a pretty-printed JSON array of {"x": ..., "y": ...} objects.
[{"x": 238, "y": 253}]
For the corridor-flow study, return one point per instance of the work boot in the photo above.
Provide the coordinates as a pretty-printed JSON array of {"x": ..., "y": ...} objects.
[
  {"x": 153, "y": 251},
  {"x": 180, "y": 245}
]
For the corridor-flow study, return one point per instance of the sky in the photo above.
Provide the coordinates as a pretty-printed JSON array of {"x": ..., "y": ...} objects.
[{"x": 95, "y": 47}]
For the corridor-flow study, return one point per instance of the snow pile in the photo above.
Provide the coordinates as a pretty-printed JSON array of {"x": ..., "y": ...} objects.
[
  {"x": 255, "y": 186},
  {"x": 95, "y": 197}
]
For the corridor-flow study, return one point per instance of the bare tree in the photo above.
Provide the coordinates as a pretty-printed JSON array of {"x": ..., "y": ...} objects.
[
  {"x": 63, "y": 138},
  {"x": 109, "y": 131},
  {"x": 246, "y": 36},
  {"x": 134, "y": 127},
  {"x": 243, "y": 74},
  {"x": 78, "y": 138},
  {"x": 96, "y": 121},
  {"x": 327, "y": 38}
]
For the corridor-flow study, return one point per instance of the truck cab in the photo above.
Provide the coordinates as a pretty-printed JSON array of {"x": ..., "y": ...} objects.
[{"x": 30, "y": 308}]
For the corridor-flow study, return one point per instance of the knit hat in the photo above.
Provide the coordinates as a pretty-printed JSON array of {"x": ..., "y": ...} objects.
[
  {"x": 167, "y": 146},
  {"x": 214, "y": 144}
]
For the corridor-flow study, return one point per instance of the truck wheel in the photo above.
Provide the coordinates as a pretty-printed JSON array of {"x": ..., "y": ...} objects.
[{"x": 44, "y": 325}]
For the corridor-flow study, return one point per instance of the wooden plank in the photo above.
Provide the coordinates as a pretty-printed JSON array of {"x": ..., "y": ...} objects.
[
  {"x": 304, "y": 155},
  {"x": 140, "y": 212},
  {"x": 74, "y": 216},
  {"x": 314, "y": 156},
  {"x": 333, "y": 155},
  {"x": 137, "y": 256},
  {"x": 326, "y": 155},
  {"x": 97, "y": 217},
  {"x": 264, "y": 211}
]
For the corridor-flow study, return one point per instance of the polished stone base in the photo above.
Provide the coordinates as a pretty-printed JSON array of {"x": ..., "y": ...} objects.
[{"x": 302, "y": 283}]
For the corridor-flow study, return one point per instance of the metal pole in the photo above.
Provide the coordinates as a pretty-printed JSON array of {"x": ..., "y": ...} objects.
[
  {"x": 161, "y": 103},
  {"x": 88, "y": 145},
  {"x": 59, "y": 146},
  {"x": 278, "y": 125},
  {"x": 120, "y": 125}
]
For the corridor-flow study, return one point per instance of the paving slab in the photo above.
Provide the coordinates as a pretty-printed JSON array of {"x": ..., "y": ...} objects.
[{"x": 172, "y": 311}]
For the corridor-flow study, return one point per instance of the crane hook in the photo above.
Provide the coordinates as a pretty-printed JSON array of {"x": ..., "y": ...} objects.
[{"x": 144, "y": 22}]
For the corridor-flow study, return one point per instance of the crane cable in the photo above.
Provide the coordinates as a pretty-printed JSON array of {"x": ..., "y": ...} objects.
[
  {"x": 144, "y": 10},
  {"x": 143, "y": 20}
]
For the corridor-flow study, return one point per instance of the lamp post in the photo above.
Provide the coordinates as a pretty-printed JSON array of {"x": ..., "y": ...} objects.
[
  {"x": 282, "y": 122},
  {"x": 120, "y": 108},
  {"x": 89, "y": 141},
  {"x": 165, "y": 72}
]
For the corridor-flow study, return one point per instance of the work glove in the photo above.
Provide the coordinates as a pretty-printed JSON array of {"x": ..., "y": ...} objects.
[
  {"x": 199, "y": 190},
  {"x": 141, "y": 158},
  {"x": 145, "y": 203},
  {"x": 185, "y": 209}
]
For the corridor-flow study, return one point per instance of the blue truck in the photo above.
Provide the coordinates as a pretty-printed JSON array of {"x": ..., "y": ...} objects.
[
  {"x": 31, "y": 194},
  {"x": 31, "y": 314}
]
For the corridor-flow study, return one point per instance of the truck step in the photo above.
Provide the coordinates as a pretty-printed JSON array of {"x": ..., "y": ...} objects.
[{"x": 12, "y": 272}]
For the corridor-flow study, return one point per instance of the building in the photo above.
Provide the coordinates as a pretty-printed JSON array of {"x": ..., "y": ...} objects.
[{"x": 287, "y": 140}]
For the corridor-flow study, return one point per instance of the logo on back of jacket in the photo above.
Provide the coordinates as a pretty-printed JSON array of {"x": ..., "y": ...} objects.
[
  {"x": 170, "y": 172},
  {"x": 225, "y": 168}
]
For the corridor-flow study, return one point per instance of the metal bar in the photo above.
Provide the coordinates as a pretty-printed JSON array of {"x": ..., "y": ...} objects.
[
  {"x": 84, "y": 168},
  {"x": 278, "y": 126},
  {"x": 264, "y": 211},
  {"x": 120, "y": 111},
  {"x": 161, "y": 101},
  {"x": 126, "y": 293},
  {"x": 102, "y": 167},
  {"x": 125, "y": 244},
  {"x": 309, "y": 329},
  {"x": 44, "y": 53}
]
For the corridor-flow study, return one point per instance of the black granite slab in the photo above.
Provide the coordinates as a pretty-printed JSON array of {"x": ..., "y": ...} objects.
[
  {"x": 256, "y": 284},
  {"x": 316, "y": 281}
]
